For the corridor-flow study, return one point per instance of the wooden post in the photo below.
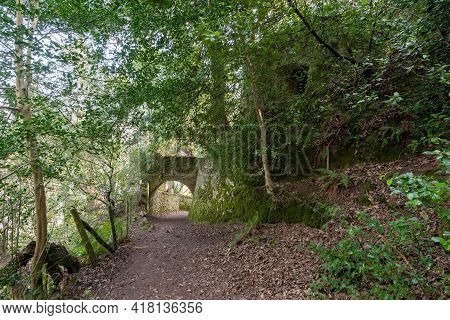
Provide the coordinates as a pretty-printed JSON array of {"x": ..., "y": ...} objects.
[
  {"x": 127, "y": 211},
  {"x": 82, "y": 231},
  {"x": 149, "y": 199},
  {"x": 97, "y": 237}
]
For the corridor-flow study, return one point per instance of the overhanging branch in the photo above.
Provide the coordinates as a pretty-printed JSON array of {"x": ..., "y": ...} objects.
[
  {"x": 316, "y": 36},
  {"x": 9, "y": 108}
]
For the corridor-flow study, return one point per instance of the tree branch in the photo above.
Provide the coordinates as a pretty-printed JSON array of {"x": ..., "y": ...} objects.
[
  {"x": 9, "y": 108},
  {"x": 11, "y": 173},
  {"x": 97, "y": 237},
  {"x": 316, "y": 36}
]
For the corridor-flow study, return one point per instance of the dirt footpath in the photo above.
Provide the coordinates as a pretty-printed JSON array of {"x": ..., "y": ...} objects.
[{"x": 178, "y": 259}]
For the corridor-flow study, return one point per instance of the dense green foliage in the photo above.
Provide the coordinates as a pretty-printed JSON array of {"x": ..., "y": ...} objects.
[
  {"x": 430, "y": 193},
  {"x": 237, "y": 203},
  {"x": 376, "y": 261},
  {"x": 395, "y": 260}
]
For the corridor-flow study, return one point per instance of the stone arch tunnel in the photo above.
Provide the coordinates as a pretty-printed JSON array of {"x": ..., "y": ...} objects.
[{"x": 190, "y": 171}]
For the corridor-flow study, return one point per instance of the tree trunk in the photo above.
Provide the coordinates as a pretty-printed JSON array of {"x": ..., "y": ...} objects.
[
  {"x": 4, "y": 235},
  {"x": 12, "y": 234},
  {"x": 111, "y": 204},
  {"x": 111, "y": 213},
  {"x": 18, "y": 224},
  {"x": 219, "y": 76},
  {"x": 4, "y": 239},
  {"x": 23, "y": 94},
  {"x": 218, "y": 113},
  {"x": 84, "y": 237},
  {"x": 113, "y": 227},
  {"x": 263, "y": 131}
]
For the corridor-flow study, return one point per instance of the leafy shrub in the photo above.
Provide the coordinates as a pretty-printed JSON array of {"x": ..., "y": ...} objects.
[
  {"x": 427, "y": 192},
  {"x": 334, "y": 178},
  {"x": 419, "y": 190},
  {"x": 381, "y": 262},
  {"x": 9, "y": 275},
  {"x": 244, "y": 232},
  {"x": 185, "y": 204}
]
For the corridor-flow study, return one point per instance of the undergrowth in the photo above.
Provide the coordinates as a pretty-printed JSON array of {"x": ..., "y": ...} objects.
[
  {"x": 378, "y": 261},
  {"x": 77, "y": 248},
  {"x": 240, "y": 202},
  {"x": 406, "y": 258}
]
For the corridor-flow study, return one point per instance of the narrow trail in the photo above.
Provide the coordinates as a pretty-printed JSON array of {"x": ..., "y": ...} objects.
[{"x": 179, "y": 259}]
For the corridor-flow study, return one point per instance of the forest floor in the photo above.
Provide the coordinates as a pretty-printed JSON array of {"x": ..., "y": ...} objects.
[{"x": 179, "y": 259}]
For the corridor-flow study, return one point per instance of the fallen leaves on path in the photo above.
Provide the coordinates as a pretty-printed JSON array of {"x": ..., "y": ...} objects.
[{"x": 182, "y": 260}]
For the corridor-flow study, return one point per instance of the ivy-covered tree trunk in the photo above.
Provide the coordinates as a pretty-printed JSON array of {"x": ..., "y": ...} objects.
[
  {"x": 23, "y": 96},
  {"x": 111, "y": 205},
  {"x": 113, "y": 225},
  {"x": 4, "y": 234},
  {"x": 4, "y": 239},
  {"x": 218, "y": 112}
]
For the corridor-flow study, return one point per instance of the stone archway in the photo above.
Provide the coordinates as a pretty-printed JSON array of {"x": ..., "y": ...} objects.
[
  {"x": 193, "y": 172},
  {"x": 169, "y": 197},
  {"x": 153, "y": 189},
  {"x": 160, "y": 169}
]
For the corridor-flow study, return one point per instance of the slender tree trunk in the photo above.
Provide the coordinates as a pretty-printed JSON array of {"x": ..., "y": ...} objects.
[
  {"x": 4, "y": 239},
  {"x": 23, "y": 94},
  {"x": 19, "y": 213},
  {"x": 84, "y": 237},
  {"x": 13, "y": 229},
  {"x": 111, "y": 203},
  {"x": 262, "y": 130},
  {"x": 113, "y": 225}
]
